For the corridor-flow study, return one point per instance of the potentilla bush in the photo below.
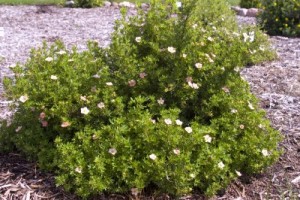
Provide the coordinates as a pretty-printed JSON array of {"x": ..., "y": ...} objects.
[
  {"x": 250, "y": 3},
  {"x": 164, "y": 105},
  {"x": 281, "y": 17}
]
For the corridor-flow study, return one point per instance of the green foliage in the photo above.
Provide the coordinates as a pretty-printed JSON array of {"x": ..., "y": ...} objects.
[
  {"x": 281, "y": 17},
  {"x": 88, "y": 3},
  {"x": 250, "y": 3},
  {"x": 164, "y": 105}
]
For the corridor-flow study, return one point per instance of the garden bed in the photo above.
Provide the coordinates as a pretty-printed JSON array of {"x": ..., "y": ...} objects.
[{"x": 276, "y": 83}]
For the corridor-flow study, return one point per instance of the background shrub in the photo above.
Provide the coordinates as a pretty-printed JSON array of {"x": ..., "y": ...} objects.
[
  {"x": 281, "y": 17},
  {"x": 164, "y": 105},
  {"x": 88, "y": 3},
  {"x": 250, "y": 3}
]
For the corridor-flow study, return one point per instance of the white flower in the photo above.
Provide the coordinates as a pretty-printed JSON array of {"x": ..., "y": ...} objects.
[
  {"x": 221, "y": 165},
  {"x": 168, "y": 121},
  {"x": 78, "y": 170},
  {"x": 61, "y": 52},
  {"x": 209, "y": 58},
  {"x": 236, "y": 69},
  {"x": 207, "y": 138},
  {"x": 262, "y": 48},
  {"x": 112, "y": 151},
  {"x": 195, "y": 26},
  {"x": 265, "y": 152},
  {"x": 85, "y": 110},
  {"x": 192, "y": 175},
  {"x": 109, "y": 83},
  {"x": 210, "y": 39},
  {"x": 152, "y": 156},
  {"x": 250, "y": 106},
  {"x": 100, "y": 105},
  {"x": 193, "y": 85},
  {"x": 176, "y": 151},
  {"x": 188, "y": 129},
  {"x": 178, "y": 4},
  {"x": 161, "y": 101},
  {"x": 242, "y": 126},
  {"x": 238, "y": 173},
  {"x": 261, "y": 126},
  {"x": 23, "y": 98},
  {"x": 153, "y": 121},
  {"x": 138, "y": 39},
  {"x": 198, "y": 65},
  {"x": 18, "y": 129},
  {"x": 171, "y": 49},
  {"x": 234, "y": 111},
  {"x": 83, "y": 98},
  {"x": 53, "y": 77},
  {"x": 178, "y": 122},
  {"x": 184, "y": 55},
  {"x": 65, "y": 124},
  {"x": 249, "y": 36},
  {"x": 49, "y": 59},
  {"x": 96, "y": 76},
  {"x": 235, "y": 34}
]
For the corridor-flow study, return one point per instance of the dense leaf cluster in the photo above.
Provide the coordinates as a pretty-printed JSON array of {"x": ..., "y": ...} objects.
[{"x": 281, "y": 17}]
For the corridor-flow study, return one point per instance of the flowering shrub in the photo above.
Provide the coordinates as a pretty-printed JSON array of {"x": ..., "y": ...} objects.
[
  {"x": 250, "y": 3},
  {"x": 281, "y": 17},
  {"x": 164, "y": 105}
]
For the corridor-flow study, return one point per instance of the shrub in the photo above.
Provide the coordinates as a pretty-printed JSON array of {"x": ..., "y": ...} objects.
[
  {"x": 88, "y": 3},
  {"x": 281, "y": 17},
  {"x": 250, "y": 3},
  {"x": 164, "y": 105}
]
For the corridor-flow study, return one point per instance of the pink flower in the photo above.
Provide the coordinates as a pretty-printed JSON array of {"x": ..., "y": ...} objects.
[
  {"x": 131, "y": 83},
  {"x": 189, "y": 79},
  {"x": 42, "y": 115},
  {"x": 44, "y": 123},
  {"x": 142, "y": 75}
]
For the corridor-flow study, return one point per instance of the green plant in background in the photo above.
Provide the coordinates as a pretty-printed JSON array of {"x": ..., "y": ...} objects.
[
  {"x": 164, "y": 105},
  {"x": 281, "y": 17},
  {"x": 88, "y": 3},
  {"x": 250, "y": 3}
]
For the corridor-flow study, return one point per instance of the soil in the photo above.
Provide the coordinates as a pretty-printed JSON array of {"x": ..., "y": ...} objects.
[{"x": 276, "y": 84}]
